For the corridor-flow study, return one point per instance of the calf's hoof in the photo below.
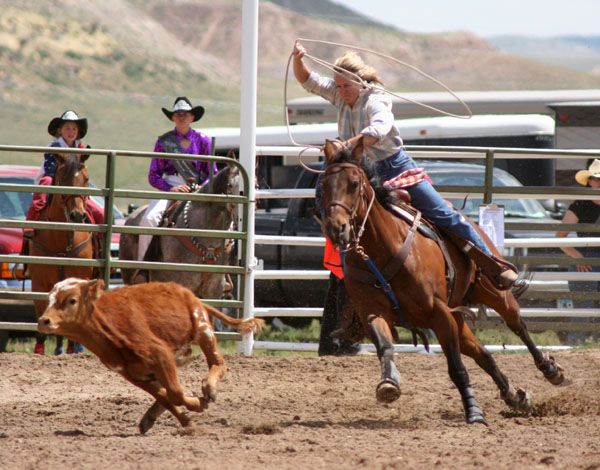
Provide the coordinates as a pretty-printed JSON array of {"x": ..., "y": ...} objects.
[
  {"x": 387, "y": 391},
  {"x": 146, "y": 423},
  {"x": 209, "y": 392}
]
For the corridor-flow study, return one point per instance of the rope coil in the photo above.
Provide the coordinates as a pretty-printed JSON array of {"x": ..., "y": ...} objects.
[{"x": 358, "y": 80}]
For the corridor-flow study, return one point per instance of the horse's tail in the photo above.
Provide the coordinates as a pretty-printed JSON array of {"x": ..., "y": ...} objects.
[{"x": 244, "y": 326}]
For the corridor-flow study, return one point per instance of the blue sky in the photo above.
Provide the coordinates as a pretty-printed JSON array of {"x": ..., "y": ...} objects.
[{"x": 486, "y": 17}]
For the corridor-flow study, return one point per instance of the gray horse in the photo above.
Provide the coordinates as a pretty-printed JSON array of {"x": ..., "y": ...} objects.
[{"x": 194, "y": 250}]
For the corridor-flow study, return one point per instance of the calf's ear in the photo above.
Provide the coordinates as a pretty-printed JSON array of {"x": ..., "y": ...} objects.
[{"x": 95, "y": 288}]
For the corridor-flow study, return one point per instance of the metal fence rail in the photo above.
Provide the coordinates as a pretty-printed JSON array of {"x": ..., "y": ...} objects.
[
  {"x": 110, "y": 193},
  {"x": 488, "y": 191},
  {"x": 544, "y": 286}
]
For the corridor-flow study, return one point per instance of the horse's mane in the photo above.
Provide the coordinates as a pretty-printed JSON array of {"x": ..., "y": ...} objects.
[
  {"x": 383, "y": 195},
  {"x": 218, "y": 183}
]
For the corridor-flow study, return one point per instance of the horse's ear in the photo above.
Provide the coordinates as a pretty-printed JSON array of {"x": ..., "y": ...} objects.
[
  {"x": 358, "y": 150},
  {"x": 232, "y": 166},
  {"x": 83, "y": 158},
  {"x": 330, "y": 150}
]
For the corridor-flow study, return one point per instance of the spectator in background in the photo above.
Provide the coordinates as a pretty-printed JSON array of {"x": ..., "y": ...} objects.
[
  {"x": 176, "y": 175},
  {"x": 67, "y": 130},
  {"x": 585, "y": 212}
]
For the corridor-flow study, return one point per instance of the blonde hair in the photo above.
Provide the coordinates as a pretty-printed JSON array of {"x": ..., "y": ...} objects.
[{"x": 353, "y": 63}]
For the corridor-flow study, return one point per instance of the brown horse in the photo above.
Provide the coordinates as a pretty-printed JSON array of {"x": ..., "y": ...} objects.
[
  {"x": 71, "y": 171},
  {"x": 356, "y": 217}
]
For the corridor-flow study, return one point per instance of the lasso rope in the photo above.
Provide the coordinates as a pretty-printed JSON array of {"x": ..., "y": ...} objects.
[{"x": 354, "y": 78}]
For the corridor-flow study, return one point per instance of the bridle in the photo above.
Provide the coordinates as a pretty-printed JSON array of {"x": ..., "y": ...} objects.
[
  {"x": 70, "y": 250},
  {"x": 208, "y": 254},
  {"x": 66, "y": 198},
  {"x": 361, "y": 197}
]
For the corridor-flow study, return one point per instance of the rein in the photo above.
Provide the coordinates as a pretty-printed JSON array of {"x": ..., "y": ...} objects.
[{"x": 380, "y": 276}]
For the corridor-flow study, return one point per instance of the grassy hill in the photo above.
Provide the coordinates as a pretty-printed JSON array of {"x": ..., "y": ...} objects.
[{"x": 117, "y": 62}]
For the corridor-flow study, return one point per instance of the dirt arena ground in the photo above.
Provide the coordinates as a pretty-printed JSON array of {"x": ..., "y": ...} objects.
[{"x": 298, "y": 413}]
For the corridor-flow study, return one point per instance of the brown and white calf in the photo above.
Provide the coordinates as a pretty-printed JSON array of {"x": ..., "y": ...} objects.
[{"x": 143, "y": 332}]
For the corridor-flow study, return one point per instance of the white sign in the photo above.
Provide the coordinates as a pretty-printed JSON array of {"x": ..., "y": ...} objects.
[{"x": 491, "y": 221}]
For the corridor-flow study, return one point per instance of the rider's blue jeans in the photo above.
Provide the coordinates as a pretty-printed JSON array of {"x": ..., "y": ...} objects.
[{"x": 426, "y": 199}]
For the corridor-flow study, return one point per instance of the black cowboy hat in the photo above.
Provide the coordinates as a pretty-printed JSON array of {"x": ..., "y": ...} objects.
[
  {"x": 68, "y": 116},
  {"x": 182, "y": 104}
]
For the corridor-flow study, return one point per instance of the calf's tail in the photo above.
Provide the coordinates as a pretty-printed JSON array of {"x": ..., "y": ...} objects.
[{"x": 249, "y": 325}]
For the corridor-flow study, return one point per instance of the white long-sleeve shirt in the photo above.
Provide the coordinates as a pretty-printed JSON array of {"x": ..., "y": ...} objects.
[{"x": 371, "y": 115}]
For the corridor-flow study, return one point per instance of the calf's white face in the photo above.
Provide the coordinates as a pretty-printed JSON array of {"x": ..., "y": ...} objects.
[{"x": 69, "y": 301}]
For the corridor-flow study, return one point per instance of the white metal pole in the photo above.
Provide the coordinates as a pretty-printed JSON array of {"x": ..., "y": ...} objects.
[{"x": 248, "y": 144}]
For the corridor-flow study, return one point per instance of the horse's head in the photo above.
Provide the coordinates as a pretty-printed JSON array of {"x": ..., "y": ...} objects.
[
  {"x": 71, "y": 171},
  {"x": 343, "y": 186},
  {"x": 227, "y": 181}
]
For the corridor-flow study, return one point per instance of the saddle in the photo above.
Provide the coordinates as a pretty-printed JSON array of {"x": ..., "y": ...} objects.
[{"x": 490, "y": 266}]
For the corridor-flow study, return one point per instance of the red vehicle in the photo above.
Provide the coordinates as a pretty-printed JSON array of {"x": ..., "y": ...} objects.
[{"x": 14, "y": 206}]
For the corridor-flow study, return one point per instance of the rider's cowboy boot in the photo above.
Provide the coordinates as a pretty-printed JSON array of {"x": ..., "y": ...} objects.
[{"x": 502, "y": 273}]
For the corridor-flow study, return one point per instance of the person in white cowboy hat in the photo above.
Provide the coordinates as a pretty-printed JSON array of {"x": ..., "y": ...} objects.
[
  {"x": 585, "y": 212},
  {"x": 167, "y": 174},
  {"x": 67, "y": 131}
]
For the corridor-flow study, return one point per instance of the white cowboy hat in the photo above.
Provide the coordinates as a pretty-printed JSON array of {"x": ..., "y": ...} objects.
[
  {"x": 69, "y": 115},
  {"x": 182, "y": 104},
  {"x": 583, "y": 176}
]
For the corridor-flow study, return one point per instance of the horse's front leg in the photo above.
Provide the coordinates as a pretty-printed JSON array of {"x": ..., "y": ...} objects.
[
  {"x": 388, "y": 389},
  {"x": 446, "y": 330}
]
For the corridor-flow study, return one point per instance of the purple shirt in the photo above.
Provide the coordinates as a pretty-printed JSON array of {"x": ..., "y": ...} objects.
[{"x": 200, "y": 144}]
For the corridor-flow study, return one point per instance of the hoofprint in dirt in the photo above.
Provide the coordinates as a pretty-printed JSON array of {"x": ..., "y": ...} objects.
[{"x": 298, "y": 412}]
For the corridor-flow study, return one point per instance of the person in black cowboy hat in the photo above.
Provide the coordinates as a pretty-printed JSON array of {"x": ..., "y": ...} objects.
[
  {"x": 168, "y": 174},
  {"x": 67, "y": 130}
]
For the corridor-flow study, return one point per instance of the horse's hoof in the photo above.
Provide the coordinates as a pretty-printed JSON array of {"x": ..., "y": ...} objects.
[
  {"x": 387, "y": 392},
  {"x": 477, "y": 417},
  {"x": 557, "y": 379},
  {"x": 79, "y": 348},
  {"x": 519, "y": 399},
  {"x": 58, "y": 351},
  {"x": 553, "y": 371},
  {"x": 39, "y": 349}
]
